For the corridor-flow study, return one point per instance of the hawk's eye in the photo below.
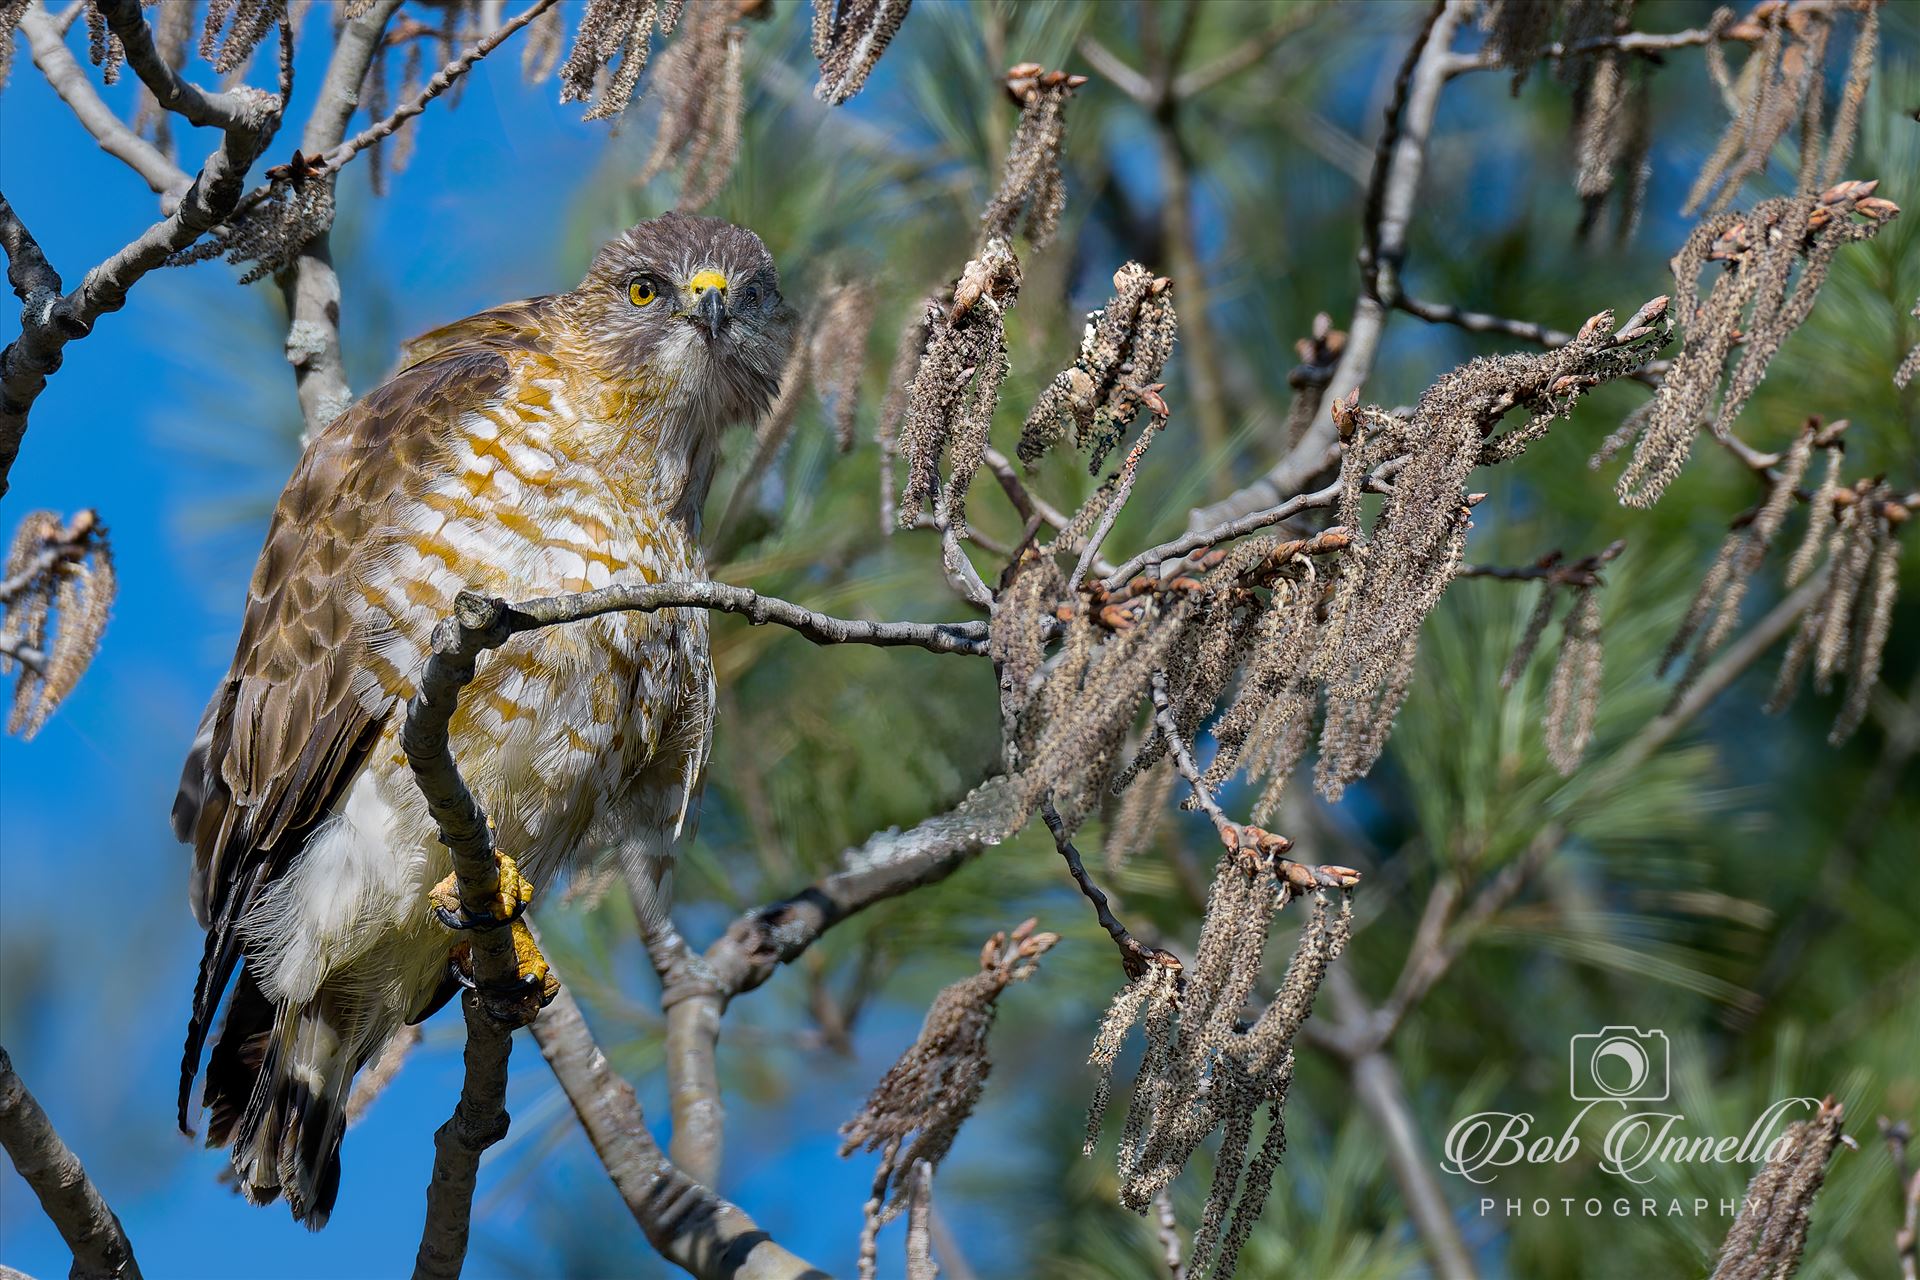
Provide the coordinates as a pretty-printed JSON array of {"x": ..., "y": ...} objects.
[
  {"x": 640, "y": 293},
  {"x": 751, "y": 297}
]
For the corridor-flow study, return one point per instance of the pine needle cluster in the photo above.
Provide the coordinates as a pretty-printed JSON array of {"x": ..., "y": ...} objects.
[
  {"x": 56, "y": 591},
  {"x": 915, "y": 1112}
]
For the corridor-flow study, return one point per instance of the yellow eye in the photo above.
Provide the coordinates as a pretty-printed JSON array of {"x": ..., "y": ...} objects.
[{"x": 640, "y": 293}]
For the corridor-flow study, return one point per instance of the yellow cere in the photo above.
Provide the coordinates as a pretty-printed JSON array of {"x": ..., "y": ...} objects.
[{"x": 706, "y": 280}]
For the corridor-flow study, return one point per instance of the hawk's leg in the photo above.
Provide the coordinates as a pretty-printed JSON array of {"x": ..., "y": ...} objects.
[
  {"x": 509, "y": 904},
  {"x": 535, "y": 977}
]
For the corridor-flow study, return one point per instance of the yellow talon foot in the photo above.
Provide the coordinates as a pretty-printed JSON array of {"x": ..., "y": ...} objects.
[
  {"x": 509, "y": 904},
  {"x": 517, "y": 1000},
  {"x": 532, "y": 966}
]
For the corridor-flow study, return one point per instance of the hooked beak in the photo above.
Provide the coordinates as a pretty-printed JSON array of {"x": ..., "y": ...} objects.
[
  {"x": 709, "y": 310},
  {"x": 710, "y": 313}
]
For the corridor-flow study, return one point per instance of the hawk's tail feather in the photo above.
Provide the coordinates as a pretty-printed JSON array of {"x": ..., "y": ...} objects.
[
  {"x": 233, "y": 1068},
  {"x": 217, "y": 962},
  {"x": 287, "y": 1140}
]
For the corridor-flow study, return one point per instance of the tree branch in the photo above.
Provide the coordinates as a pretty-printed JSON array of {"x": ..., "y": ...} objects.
[
  {"x": 1380, "y": 1092},
  {"x": 310, "y": 286},
  {"x": 249, "y": 119},
  {"x": 70, "y": 81},
  {"x": 1400, "y": 161},
  {"x": 968, "y": 638},
  {"x": 889, "y": 864},
  {"x": 693, "y": 1006},
  {"x": 687, "y": 1223},
  {"x": 443, "y": 79},
  {"x": 49, "y": 1167},
  {"x": 228, "y": 110},
  {"x": 478, "y": 1121},
  {"x": 479, "y": 1118},
  {"x": 1113, "y": 68}
]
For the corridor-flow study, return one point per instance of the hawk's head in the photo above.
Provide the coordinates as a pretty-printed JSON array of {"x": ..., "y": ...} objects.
[{"x": 694, "y": 303}]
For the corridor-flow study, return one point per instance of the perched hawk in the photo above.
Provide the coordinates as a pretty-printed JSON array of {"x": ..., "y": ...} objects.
[{"x": 554, "y": 445}]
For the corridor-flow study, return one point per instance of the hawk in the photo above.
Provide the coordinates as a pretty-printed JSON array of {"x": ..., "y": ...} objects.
[{"x": 553, "y": 445}]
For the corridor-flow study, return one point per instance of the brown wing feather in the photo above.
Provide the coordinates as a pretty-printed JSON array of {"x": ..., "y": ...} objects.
[
  {"x": 287, "y": 729},
  {"x": 515, "y": 326}
]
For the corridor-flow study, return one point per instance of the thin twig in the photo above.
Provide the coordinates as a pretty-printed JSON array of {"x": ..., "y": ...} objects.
[
  {"x": 1243, "y": 56},
  {"x": 968, "y": 638},
  {"x": 442, "y": 80},
  {"x": 1169, "y": 1230},
  {"x": 1134, "y": 957},
  {"x": 1584, "y": 572},
  {"x": 1183, "y": 755},
  {"x": 685, "y": 1222},
  {"x": 1240, "y": 526}
]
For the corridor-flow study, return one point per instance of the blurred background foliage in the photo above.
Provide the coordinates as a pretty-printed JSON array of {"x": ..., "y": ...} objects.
[{"x": 1732, "y": 890}]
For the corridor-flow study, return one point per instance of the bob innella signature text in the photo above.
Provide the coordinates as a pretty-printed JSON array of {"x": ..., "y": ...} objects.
[{"x": 1479, "y": 1146}]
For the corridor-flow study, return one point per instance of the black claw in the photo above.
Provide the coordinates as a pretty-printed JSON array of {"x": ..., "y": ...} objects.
[{"x": 459, "y": 920}]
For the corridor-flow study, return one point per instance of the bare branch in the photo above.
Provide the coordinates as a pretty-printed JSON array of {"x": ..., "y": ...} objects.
[
  {"x": 443, "y": 79},
  {"x": 64, "y": 73},
  {"x": 937, "y": 637},
  {"x": 1400, "y": 161},
  {"x": 1243, "y": 56},
  {"x": 1584, "y": 572},
  {"x": 1906, "y": 1238},
  {"x": 1134, "y": 957},
  {"x": 1169, "y": 1232},
  {"x": 1113, "y": 68},
  {"x": 479, "y": 1120},
  {"x": 228, "y": 110},
  {"x": 693, "y": 1006},
  {"x": 311, "y": 288},
  {"x": 1181, "y": 546},
  {"x": 249, "y": 118},
  {"x": 49, "y": 1167},
  {"x": 1650, "y": 44},
  {"x": 687, "y": 1223},
  {"x": 890, "y": 863},
  {"x": 493, "y": 1008}
]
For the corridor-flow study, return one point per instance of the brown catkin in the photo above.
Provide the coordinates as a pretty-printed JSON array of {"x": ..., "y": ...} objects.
[{"x": 1573, "y": 695}]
